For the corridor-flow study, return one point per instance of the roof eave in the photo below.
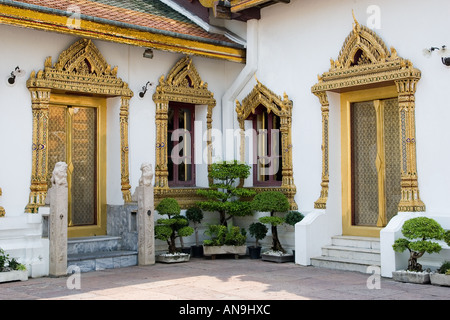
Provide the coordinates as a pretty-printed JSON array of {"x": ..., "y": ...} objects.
[{"x": 96, "y": 28}]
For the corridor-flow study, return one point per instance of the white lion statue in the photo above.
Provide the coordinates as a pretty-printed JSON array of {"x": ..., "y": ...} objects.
[
  {"x": 59, "y": 174},
  {"x": 147, "y": 174}
]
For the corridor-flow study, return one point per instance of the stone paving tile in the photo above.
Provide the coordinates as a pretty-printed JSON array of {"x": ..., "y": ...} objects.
[{"x": 220, "y": 279}]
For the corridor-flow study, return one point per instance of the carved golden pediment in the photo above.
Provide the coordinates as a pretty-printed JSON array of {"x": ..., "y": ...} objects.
[
  {"x": 183, "y": 84},
  {"x": 261, "y": 95},
  {"x": 80, "y": 68},
  {"x": 364, "y": 60}
]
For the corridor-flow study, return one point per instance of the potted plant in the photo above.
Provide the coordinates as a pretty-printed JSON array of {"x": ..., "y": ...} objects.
[
  {"x": 273, "y": 201},
  {"x": 11, "y": 269},
  {"x": 292, "y": 218},
  {"x": 170, "y": 228},
  {"x": 224, "y": 240},
  {"x": 195, "y": 214},
  {"x": 258, "y": 231},
  {"x": 419, "y": 233},
  {"x": 224, "y": 196},
  {"x": 442, "y": 275}
]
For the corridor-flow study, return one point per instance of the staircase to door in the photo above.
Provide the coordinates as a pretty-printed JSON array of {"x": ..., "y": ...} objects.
[
  {"x": 350, "y": 253},
  {"x": 98, "y": 253}
]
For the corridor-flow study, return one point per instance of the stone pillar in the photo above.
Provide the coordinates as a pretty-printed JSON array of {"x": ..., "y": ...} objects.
[
  {"x": 145, "y": 219},
  {"x": 57, "y": 196}
]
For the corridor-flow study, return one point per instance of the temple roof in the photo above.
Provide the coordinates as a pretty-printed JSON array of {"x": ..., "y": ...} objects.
[{"x": 146, "y": 23}]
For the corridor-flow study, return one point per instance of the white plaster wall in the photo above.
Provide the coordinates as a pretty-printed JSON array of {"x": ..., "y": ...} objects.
[
  {"x": 296, "y": 42},
  {"x": 29, "y": 48}
]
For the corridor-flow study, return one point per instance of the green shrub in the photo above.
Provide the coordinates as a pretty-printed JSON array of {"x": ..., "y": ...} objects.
[
  {"x": 258, "y": 231},
  {"x": 172, "y": 227},
  {"x": 195, "y": 215},
  {"x": 224, "y": 235},
  {"x": 418, "y": 234},
  {"x": 293, "y": 217},
  {"x": 444, "y": 268},
  {"x": 7, "y": 264},
  {"x": 224, "y": 196}
]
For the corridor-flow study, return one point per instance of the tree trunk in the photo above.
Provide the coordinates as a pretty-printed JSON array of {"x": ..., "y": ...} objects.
[
  {"x": 413, "y": 265},
  {"x": 276, "y": 245},
  {"x": 196, "y": 234},
  {"x": 172, "y": 245}
]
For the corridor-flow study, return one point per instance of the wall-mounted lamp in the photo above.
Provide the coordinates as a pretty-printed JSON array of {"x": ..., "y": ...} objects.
[
  {"x": 148, "y": 53},
  {"x": 442, "y": 51},
  {"x": 17, "y": 72},
  {"x": 144, "y": 89}
]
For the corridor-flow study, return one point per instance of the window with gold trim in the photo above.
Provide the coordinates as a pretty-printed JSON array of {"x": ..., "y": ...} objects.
[
  {"x": 182, "y": 90},
  {"x": 271, "y": 117}
]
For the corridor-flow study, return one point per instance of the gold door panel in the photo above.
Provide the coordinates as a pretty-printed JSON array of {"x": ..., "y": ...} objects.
[
  {"x": 364, "y": 170},
  {"x": 371, "y": 173},
  {"x": 77, "y": 137}
]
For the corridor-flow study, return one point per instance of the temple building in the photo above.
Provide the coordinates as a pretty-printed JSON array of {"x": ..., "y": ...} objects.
[{"x": 350, "y": 97}]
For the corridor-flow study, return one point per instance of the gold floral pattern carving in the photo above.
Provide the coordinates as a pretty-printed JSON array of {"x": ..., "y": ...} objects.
[{"x": 80, "y": 69}]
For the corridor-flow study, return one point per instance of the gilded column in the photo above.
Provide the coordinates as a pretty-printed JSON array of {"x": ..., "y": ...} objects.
[
  {"x": 321, "y": 203},
  {"x": 40, "y": 99},
  {"x": 124, "y": 162},
  {"x": 2, "y": 210},
  {"x": 209, "y": 139},
  {"x": 410, "y": 200},
  {"x": 161, "y": 171}
]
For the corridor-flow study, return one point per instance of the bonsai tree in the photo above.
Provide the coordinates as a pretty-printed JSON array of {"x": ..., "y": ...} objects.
[
  {"x": 272, "y": 201},
  {"x": 172, "y": 227},
  {"x": 195, "y": 215},
  {"x": 224, "y": 196},
  {"x": 418, "y": 234},
  {"x": 293, "y": 217},
  {"x": 258, "y": 231}
]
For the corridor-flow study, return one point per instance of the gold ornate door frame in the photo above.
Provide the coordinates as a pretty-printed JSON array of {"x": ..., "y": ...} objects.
[
  {"x": 80, "y": 70},
  {"x": 364, "y": 63}
]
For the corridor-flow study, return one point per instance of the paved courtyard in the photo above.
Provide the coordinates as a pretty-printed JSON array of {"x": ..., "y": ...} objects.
[{"x": 220, "y": 279}]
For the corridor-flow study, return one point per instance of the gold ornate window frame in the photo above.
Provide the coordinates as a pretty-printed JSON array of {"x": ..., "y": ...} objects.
[
  {"x": 95, "y": 77},
  {"x": 182, "y": 84},
  {"x": 282, "y": 107},
  {"x": 365, "y": 62}
]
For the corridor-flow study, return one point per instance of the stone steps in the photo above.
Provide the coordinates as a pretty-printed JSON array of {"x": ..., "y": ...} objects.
[
  {"x": 350, "y": 253},
  {"x": 98, "y": 253}
]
